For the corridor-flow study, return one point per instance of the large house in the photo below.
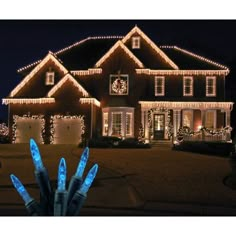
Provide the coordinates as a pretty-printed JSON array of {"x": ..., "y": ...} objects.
[{"x": 117, "y": 86}]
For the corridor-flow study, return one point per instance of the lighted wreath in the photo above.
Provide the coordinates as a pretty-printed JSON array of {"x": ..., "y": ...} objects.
[{"x": 119, "y": 86}]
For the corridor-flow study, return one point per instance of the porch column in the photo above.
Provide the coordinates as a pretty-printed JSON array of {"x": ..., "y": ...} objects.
[
  {"x": 142, "y": 118},
  {"x": 203, "y": 117},
  {"x": 176, "y": 121},
  {"x": 146, "y": 128},
  {"x": 227, "y": 117}
]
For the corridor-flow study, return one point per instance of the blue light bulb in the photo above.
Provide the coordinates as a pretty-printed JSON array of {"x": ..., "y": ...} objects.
[
  {"x": 20, "y": 189},
  {"x": 61, "y": 186},
  {"x": 36, "y": 155},
  {"x": 82, "y": 164},
  {"x": 89, "y": 179}
]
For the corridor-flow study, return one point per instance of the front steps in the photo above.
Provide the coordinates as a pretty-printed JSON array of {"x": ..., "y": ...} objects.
[{"x": 161, "y": 143}]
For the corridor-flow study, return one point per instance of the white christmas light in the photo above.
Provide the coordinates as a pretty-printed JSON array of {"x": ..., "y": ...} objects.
[
  {"x": 50, "y": 56},
  {"x": 181, "y": 72},
  {"x": 90, "y": 71},
  {"x": 62, "y": 81},
  {"x": 127, "y": 51},
  {"x": 196, "y": 56},
  {"x": 181, "y": 105},
  {"x": 90, "y": 101},
  {"x": 7, "y": 101},
  {"x": 152, "y": 44}
]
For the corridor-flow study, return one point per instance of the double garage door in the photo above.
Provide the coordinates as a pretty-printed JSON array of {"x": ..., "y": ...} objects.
[{"x": 65, "y": 131}]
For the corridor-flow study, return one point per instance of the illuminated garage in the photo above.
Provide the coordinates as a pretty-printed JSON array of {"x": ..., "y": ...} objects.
[
  {"x": 67, "y": 129},
  {"x": 26, "y": 127}
]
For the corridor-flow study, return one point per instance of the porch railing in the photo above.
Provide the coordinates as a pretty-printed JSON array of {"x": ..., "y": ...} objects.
[{"x": 204, "y": 134}]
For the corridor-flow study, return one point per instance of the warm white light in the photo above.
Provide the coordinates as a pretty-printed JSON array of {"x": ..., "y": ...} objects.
[
  {"x": 6, "y": 101},
  {"x": 63, "y": 80},
  {"x": 90, "y": 101},
  {"x": 151, "y": 43},
  {"x": 199, "y": 127},
  {"x": 51, "y": 57},
  {"x": 91, "y": 71},
  {"x": 127, "y": 51}
]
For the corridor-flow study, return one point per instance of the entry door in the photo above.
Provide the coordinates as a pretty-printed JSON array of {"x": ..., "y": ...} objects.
[{"x": 159, "y": 126}]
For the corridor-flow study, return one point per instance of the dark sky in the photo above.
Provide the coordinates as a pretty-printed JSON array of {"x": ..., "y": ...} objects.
[{"x": 23, "y": 42}]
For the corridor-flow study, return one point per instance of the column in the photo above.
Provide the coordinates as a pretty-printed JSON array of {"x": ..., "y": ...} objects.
[
  {"x": 146, "y": 128},
  {"x": 203, "y": 117},
  {"x": 227, "y": 117},
  {"x": 175, "y": 117},
  {"x": 178, "y": 119}
]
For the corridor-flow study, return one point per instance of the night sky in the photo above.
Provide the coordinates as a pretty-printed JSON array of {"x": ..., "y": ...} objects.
[{"x": 23, "y": 42}]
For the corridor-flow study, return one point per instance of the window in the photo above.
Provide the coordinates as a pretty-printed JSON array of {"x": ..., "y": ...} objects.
[
  {"x": 188, "y": 86},
  {"x": 49, "y": 78},
  {"x": 187, "y": 119},
  {"x": 135, "y": 42},
  {"x": 129, "y": 123},
  {"x": 105, "y": 124},
  {"x": 159, "y": 86},
  {"x": 119, "y": 84},
  {"x": 210, "y": 120},
  {"x": 210, "y": 86},
  {"x": 116, "y": 123}
]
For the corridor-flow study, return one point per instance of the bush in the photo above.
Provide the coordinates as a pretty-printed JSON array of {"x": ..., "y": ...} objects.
[
  {"x": 133, "y": 143},
  {"x": 211, "y": 148}
]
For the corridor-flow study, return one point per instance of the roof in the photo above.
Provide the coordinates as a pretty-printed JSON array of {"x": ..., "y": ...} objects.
[
  {"x": 86, "y": 53},
  {"x": 187, "y": 60}
]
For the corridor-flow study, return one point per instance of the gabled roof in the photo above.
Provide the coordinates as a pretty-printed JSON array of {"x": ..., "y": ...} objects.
[
  {"x": 152, "y": 44},
  {"x": 189, "y": 60},
  {"x": 126, "y": 50},
  {"x": 49, "y": 56},
  {"x": 67, "y": 77}
]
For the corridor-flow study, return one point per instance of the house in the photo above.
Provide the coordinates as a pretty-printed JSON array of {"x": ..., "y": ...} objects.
[{"x": 117, "y": 86}]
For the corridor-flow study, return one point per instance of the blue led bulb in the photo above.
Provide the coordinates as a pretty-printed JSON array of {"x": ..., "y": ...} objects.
[
  {"x": 61, "y": 186},
  {"x": 82, "y": 164},
  {"x": 89, "y": 180},
  {"x": 36, "y": 155},
  {"x": 20, "y": 189}
]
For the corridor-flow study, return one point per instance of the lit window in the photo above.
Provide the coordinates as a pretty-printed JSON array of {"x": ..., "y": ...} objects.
[
  {"x": 50, "y": 78},
  {"x": 159, "y": 86},
  {"x": 188, "y": 86},
  {"x": 210, "y": 119},
  {"x": 105, "y": 123},
  {"x": 135, "y": 42},
  {"x": 129, "y": 123},
  {"x": 210, "y": 86},
  {"x": 187, "y": 118},
  {"x": 116, "y": 123}
]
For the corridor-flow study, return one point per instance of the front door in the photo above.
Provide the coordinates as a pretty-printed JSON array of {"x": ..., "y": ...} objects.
[{"x": 159, "y": 126}]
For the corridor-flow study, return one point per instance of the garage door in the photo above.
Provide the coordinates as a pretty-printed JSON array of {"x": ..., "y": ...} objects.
[
  {"x": 27, "y": 128},
  {"x": 67, "y": 131}
]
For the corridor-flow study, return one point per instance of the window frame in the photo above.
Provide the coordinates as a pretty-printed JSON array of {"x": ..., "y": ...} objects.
[
  {"x": 192, "y": 118},
  {"x": 214, "y": 86},
  {"x": 185, "y": 78},
  {"x": 163, "y": 86},
  {"x": 136, "y": 42},
  {"x": 47, "y": 79},
  {"x": 215, "y": 118},
  {"x": 110, "y": 84}
]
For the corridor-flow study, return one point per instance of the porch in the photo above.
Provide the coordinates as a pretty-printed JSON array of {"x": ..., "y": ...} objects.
[{"x": 205, "y": 121}]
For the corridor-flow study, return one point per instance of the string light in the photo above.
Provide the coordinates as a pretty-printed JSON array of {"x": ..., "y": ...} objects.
[
  {"x": 66, "y": 78},
  {"x": 152, "y": 44},
  {"x": 54, "y": 118},
  {"x": 28, "y": 117},
  {"x": 50, "y": 56},
  {"x": 127, "y": 51},
  {"x": 91, "y": 71},
  {"x": 6, "y": 101},
  {"x": 196, "y": 56},
  {"x": 181, "y": 72},
  {"x": 181, "y": 105},
  {"x": 70, "y": 47},
  {"x": 4, "y": 130},
  {"x": 93, "y": 101}
]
